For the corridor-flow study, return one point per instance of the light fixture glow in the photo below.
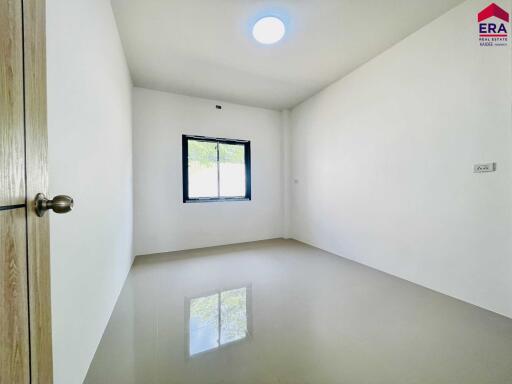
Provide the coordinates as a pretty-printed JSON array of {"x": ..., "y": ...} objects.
[{"x": 268, "y": 30}]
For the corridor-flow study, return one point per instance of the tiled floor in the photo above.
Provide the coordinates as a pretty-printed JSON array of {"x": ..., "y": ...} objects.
[{"x": 280, "y": 311}]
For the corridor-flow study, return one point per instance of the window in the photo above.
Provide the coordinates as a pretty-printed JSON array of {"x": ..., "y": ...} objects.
[
  {"x": 217, "y": 320},
  {"x": 216, "y": 169}
]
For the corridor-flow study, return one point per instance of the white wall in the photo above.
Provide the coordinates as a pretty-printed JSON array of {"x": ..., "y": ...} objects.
[
  {"x": 90, "y": 158},
  {"x": 382, "y": 163},
  {"x": 162, "y": 221}
]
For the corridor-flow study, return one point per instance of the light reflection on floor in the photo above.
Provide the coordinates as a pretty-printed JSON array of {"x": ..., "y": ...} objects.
[
  {"x": 281, "y": 312},
  {"x": 217, "y": 320}
]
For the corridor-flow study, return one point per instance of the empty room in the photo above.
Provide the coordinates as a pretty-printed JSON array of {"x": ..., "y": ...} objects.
[{"x": 255, "y": 192}]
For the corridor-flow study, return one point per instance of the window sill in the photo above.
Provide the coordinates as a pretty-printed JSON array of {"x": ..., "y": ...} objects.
[{"x": 217, "y": 200}]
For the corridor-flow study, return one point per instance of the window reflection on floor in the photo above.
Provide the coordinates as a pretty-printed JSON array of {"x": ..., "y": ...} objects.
[{"x": 218, "y": 319}]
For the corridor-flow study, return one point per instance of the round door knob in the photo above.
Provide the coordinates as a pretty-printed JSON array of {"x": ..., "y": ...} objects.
[{"x": 59, "y": 204}]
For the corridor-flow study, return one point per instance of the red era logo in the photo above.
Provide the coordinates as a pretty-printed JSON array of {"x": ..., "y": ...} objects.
[
  {"x": 493, "y": 10},
  {"x": 493, "y": 32}
]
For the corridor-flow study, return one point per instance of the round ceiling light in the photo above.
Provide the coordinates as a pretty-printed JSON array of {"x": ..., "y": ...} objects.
[{"x": 268, "y": 30}]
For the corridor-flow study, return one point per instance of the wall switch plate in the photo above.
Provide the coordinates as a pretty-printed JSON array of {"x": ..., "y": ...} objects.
[{"x": 485, "y": 167}]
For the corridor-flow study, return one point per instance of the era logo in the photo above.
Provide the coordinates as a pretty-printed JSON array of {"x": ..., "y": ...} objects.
[{"x": 493, "y": 29}]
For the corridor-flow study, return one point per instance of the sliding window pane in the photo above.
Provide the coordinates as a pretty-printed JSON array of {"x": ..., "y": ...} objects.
[
  {"x": 232, "y": 170},
  {"x": 202, "y": 169}
]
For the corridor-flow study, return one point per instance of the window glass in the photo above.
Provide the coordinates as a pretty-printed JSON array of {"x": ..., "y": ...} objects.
[
  {"x": 232, "y": 170},
  {"x": 202, "y": 169}
]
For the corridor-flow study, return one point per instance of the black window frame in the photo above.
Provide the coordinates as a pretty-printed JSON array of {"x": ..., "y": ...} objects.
[{"x": 217, "y": 140}]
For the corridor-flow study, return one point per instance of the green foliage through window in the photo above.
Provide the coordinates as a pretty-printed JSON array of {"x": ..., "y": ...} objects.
[
  {"x": 205, "y": 153},
  {"x": 229, "y": 153}
]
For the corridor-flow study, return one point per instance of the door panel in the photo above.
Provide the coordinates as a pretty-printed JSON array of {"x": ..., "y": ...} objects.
[
  {"x": 37, "y": 181},
  {"x": 25, "y": 309},
  {"x": 14, "y": 337},
  {"x": 12, "y": 166},
  {"x": 14, "y": 323}
]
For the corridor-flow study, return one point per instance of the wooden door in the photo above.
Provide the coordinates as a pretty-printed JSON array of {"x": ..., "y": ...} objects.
[{"x": 25, "y": 321}]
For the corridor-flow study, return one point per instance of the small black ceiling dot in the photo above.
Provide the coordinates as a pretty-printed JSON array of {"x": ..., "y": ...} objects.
[{"x": 218, "y": 106}]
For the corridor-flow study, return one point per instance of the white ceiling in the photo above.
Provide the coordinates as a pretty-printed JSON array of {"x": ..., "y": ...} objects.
[{"x": 204, "y": 47}]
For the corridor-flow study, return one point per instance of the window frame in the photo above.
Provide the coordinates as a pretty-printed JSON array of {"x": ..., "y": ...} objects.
[{"x": 217, "y": 140}]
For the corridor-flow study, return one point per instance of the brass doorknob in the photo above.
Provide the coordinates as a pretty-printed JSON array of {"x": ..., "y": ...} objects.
[{"x": 59, "y": 204}]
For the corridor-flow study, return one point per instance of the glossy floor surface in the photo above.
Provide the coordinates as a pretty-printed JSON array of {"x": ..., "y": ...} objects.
[{"x": 282, "y": 312}]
